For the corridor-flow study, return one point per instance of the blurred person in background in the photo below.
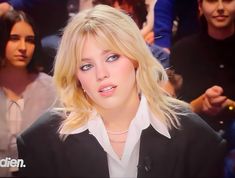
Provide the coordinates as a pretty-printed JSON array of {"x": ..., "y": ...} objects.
[
  {"x": 50, "y": 16},
  {"x": 25, "y": 93},
  {"x": 206, "y": 63},
  {"x": 166, "y": 12}
]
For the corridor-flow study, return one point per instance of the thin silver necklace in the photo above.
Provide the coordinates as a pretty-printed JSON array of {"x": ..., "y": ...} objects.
[{"x": 117, "y": 133}]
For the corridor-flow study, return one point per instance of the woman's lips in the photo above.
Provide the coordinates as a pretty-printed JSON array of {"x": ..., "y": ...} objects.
[
  {"x": 107, "y": 90},
  {"x": 21, "y": 57},
  {"x": 220, "y": 17}
]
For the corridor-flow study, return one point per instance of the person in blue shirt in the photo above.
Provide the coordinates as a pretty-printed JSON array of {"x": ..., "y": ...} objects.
[{"x": 165, "y": 12}]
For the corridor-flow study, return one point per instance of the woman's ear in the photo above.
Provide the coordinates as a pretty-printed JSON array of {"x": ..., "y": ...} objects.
[
  {"x": 200, "y": 8},
  {"x": 79, "y": 84},
  {"x": 135, "y": 64}
]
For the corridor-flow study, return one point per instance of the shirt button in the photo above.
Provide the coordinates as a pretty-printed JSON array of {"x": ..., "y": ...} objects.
[{"x": 221, "y": 66}]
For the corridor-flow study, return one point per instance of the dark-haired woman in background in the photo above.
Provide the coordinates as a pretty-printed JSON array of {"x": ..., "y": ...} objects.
[{"x": 25, "y": 93}]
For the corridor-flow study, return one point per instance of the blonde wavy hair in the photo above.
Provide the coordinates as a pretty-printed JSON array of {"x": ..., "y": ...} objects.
[{"x": 117, "y": 32}]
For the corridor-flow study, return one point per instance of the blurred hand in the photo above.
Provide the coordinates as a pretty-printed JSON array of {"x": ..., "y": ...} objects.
[
  {"x": 211, "y": 102},
  {"x": 214, "y": 102},
  {"x": 149, "y": 37},
  {"x": 4, "y": 7}
]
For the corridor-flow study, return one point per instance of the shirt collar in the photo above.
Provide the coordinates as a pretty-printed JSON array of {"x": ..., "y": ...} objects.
[{"x": 144, "y": 117}]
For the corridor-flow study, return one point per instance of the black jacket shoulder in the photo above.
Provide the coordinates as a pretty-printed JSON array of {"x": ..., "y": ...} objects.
[{"x": 47, "y": 154}]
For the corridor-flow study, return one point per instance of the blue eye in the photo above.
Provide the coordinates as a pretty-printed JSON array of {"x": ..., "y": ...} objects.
[
  {"x": 113, "y": 57},
  {"x": 85, "y": 67}
]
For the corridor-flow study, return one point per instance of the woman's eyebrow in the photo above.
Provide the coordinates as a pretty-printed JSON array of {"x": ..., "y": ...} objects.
[{"x": 86, "y": 59}]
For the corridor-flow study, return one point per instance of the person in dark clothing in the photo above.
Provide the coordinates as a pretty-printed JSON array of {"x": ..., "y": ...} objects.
[
  {"x": 116, "y": 119},
  {"x": 206, "y": 63},
  {"x": 207, "y": 59}
]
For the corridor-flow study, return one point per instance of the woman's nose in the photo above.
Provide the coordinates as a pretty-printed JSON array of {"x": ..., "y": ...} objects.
[
  {"x": 22, "y": 46},
  {"x": 102, "y": 72},
  {"x": 220, "y": 6}
]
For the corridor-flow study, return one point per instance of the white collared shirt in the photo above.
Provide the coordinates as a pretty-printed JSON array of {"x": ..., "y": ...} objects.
[{"x": 127, "y": 165}]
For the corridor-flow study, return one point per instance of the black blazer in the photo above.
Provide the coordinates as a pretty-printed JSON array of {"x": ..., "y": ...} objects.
[{"x": 194, "y": 151}]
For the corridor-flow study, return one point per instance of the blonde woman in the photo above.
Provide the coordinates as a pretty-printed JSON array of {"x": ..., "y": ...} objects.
[{"x": 117, "y": 121}]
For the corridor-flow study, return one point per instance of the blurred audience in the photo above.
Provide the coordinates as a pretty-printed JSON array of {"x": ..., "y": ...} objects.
[
  {"x": 184, "y": 12},
  {"x": 25, "y": 93}
]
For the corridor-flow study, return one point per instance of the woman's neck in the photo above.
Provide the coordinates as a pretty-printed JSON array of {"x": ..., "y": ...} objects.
[{"x": 119, "y": 119}]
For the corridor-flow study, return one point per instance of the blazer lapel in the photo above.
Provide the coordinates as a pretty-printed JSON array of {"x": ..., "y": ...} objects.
[
  {"x": 157, "y": 155},
  {"x": 86, "y": 157}
]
